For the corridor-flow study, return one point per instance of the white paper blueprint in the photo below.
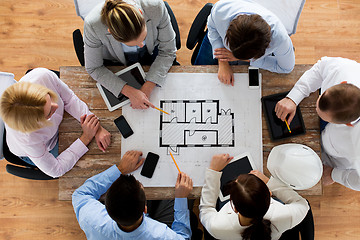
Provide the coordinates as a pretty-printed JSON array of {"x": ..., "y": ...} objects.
[{"x": 206, "y": 118}]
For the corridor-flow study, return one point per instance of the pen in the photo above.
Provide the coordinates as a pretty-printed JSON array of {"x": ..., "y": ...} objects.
[
  {"x": 175, "y": 162},
  {"x": 287, "y": 126},
  {"x": 161, "y": 110}
]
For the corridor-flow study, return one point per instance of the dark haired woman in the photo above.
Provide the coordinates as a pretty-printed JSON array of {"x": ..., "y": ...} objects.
[
  {"x": 128, "y": 32},
  {"x": 251, "y": 213},
  {"x": 245, "y": 30}
]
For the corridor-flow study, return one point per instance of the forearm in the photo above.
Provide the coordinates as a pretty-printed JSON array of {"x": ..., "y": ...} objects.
[
  {"x": 348, "y": 177},
  {"x": 56, "y": 167},
  {"x": 295, "y": 207},
  {"x": 181, "y": 224},
  {"x": 209, "y": 195},
  {"x": 213, "y": 35},
  {"x": 309, "y": 82}
]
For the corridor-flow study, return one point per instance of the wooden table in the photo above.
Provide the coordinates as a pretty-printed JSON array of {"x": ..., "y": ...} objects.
[{"x": 94, "y": 161}]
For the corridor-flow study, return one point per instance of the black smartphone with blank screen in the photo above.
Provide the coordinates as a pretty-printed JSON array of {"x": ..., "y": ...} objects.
[
  {"x": 253, "y": 77},
  {"x": 123, "y": 126},
  {"x": 150, "y": 163}
]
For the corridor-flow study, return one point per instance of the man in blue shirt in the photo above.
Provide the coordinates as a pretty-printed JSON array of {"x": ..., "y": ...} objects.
[
  {"x": 244, "y": 30},
  {"x": 124, "y": 214}
]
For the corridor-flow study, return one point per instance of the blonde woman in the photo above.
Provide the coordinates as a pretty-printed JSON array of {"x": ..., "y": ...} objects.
[
  {"x": 127, "y": 32},
  {"x": 33, "y": 109}
]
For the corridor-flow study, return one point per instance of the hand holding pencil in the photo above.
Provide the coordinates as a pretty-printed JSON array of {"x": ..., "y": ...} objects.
[{"x": 183, "y": 186}]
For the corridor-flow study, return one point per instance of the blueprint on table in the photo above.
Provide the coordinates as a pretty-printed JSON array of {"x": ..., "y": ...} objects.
[{"x": 205, "y": 118}]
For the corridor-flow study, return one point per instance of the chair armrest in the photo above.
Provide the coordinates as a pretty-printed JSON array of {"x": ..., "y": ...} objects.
[{"x": 28, "y": 173}]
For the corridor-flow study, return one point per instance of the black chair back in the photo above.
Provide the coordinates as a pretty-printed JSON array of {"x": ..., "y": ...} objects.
[{"x": 198, "y": 31}]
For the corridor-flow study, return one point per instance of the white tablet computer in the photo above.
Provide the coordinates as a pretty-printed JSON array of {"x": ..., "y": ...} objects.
[
  {"x": 134, "y": 76},
  {"x": 241, "y": 164}
]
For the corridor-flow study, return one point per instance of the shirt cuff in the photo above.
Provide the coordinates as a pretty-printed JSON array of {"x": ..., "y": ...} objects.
[
  {"x": 336, "y": 175},
  {"x": 181, "y": 204},
  {"x": 274, "y": 183},
  {"x": 80, "y": 147},
  {"x": 296, "y": 96}
]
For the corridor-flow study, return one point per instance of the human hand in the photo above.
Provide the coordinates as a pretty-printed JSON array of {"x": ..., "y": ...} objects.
[
  {"x": 284, "y": 107},
  {"x": 130, "y": 162},
  {"x": 326, "y": 177},
  {"x": 219, "y": 161},
  {"x": 225, "y": 73},
  {"x": 224, "y": 55},
  {"x": 90, "y": 125},
  {"x": 260, "y": 175},
  {"x": 103, "y": 138},
  {"x": 183, "y": 186},
  {"x": 138, "y": 99},
  {"x": 147, "y": 88}
]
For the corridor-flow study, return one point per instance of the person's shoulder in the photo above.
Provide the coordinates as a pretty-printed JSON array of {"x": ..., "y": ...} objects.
[
  {"x": 337, "y": 61},
  {"x": 152, "y": 7},
  {"x": 156, "y": 229},
  {"x": 94, "y": 16},
  {"x": 40, "y": 76}
]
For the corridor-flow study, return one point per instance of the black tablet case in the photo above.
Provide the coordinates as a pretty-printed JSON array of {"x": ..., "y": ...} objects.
[
  {"x": 232, "y": 171},
  {"x": 278, "y": 129}
]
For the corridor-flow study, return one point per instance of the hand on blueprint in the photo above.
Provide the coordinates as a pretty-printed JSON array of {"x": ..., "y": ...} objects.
[
  {"x": 224, "y": 55},
  {"x": 285, "y": 107},
  {"x": 131, "y": 161},
  {"x": 183, "y": 186},
  {"x": 138, "y": 99},
  {"x": 103, "y": 138},
  {"x": 219, "y": 161},
  {"x": 225, "y": 73}
]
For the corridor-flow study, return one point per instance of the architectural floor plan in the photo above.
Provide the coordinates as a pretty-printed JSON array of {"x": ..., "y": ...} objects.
[{"x": 195, "y": 123}]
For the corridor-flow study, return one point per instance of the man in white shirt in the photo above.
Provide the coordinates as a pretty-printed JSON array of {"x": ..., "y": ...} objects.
[{"x": 338, "y": 104}]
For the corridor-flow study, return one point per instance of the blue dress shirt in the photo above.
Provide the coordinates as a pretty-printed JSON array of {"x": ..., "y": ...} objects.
[
  {"x": 279, "y": 56},
  {"x": 97, "y": 224}
]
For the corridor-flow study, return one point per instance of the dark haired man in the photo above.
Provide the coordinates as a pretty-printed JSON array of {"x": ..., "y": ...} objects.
[
  {"x": 339, "y": 105},
  {"x": 124, "y": 214},
  {"x": 244, "y": 30}
]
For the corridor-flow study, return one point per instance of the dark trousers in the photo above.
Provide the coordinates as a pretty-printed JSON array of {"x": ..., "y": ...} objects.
[{"x": 163, "y": 211}]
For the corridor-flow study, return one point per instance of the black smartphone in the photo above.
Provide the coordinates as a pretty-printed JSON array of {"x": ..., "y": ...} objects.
[
  {"x": 253, "y": 77},
  {"x": 123, "y": 126},
  {"x": 149, "y": 165}
]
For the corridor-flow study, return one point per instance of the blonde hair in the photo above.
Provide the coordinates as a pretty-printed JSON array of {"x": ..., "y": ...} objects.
[
  {"x": 125, "y": 22},
  {"x": 22, "y": 106}
]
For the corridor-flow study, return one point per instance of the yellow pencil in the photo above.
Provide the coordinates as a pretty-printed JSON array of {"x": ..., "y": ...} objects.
[
  {"x": 287, "y": 126},
  {"x": 161, "y": 110},
  {"x": 175, "y": 162}
]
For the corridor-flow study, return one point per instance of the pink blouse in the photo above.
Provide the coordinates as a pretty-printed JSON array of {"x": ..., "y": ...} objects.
[{"x": 36, "y": 145}]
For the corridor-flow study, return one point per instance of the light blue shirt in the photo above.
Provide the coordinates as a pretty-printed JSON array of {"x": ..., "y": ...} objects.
[
  {"x": 127, "y": 48},
  {"x": 97, "y": 224},
  {"x": 224, "y": 11}
]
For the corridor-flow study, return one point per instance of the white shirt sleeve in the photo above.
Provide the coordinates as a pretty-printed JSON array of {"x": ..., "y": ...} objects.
[
  {"x": 209, "y": 194},
  {"x": 309, "y": 82},
  {"x": 293, "y": 211},
  {"x": 213, "y": 35},
  {"x": 56, "y": 167}
]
